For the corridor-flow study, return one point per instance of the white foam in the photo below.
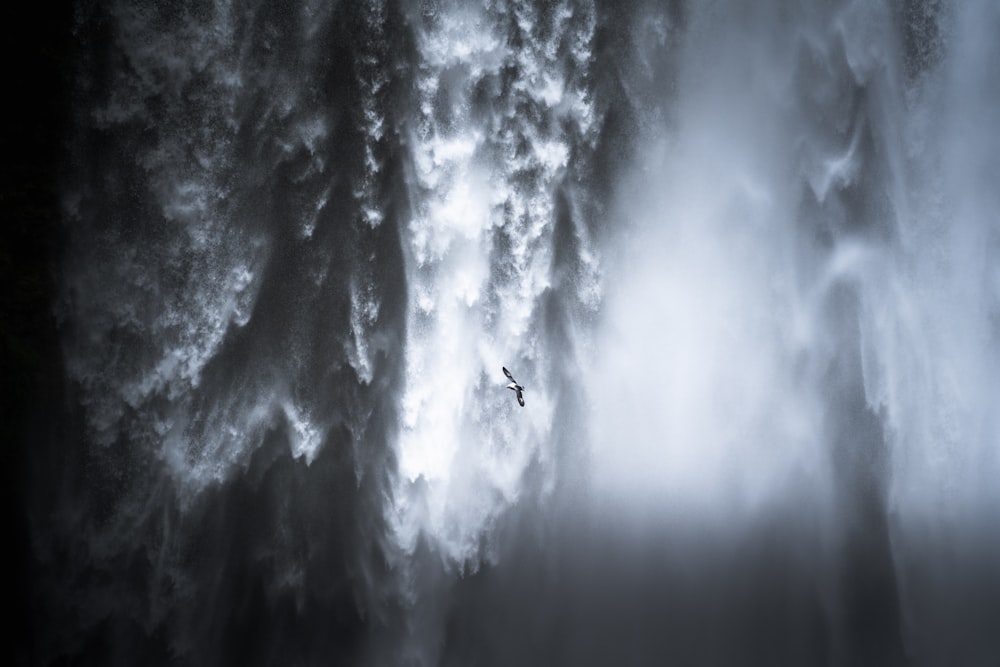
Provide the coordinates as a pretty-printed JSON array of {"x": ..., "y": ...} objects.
[{"x": 461, "y": 463}]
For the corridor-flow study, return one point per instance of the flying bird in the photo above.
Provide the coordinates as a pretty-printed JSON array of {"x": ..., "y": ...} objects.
[{"x": 515, "y": 387}]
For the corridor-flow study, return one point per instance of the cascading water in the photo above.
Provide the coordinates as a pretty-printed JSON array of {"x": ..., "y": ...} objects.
[
  {"x": 741, "y": 255},
  {"x": 491, "y": 143}
]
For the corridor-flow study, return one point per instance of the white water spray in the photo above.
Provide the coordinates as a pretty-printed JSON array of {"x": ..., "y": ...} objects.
[{"x": 479, "y": 253}]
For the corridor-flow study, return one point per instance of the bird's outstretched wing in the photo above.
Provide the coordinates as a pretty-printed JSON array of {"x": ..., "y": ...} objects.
[
  {"x": 520, "y": 398},
  {"x": 507, "y": 373}
]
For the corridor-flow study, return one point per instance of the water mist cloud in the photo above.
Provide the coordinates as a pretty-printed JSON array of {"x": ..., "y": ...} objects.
[{"x": 702, "y": 397}]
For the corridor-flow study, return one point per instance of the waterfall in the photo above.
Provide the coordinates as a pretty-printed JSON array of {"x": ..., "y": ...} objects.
[
  {"x": 491, "y": 145},
  {"x": 742, "y": 256}
]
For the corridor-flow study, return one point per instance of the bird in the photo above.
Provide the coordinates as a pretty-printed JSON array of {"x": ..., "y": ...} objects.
[{"x": 514, "y": 386}]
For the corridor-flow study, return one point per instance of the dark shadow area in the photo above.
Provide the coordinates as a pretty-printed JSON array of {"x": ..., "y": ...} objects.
[{"x": 37, "y": 56}]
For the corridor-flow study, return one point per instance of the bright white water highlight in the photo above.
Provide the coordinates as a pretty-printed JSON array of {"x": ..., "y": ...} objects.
[{"x": 479, "y": 257}]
